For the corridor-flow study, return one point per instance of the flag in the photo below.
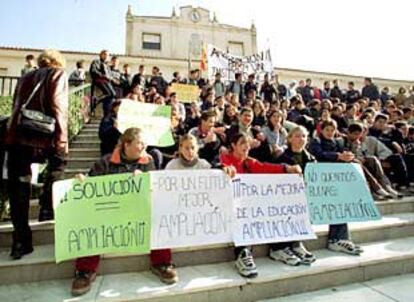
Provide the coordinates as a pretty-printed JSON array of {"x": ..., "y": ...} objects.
[{"x": 203, "y": 63}]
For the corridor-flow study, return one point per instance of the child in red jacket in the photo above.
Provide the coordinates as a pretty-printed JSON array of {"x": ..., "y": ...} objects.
[{"x": 240, "y": 160}]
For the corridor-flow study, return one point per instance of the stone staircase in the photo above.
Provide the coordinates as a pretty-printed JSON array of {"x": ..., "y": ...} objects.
[
  {"x": 84, "y": 149},
  {"x": 206, "y": 273}
]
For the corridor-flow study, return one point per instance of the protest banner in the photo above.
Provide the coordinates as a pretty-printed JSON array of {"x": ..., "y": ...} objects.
[
  {"x": 186, "y": 93},
  {"x": 227, "y": 64},
  {"x": 153, "y": 120},
  {"x": 338, "y": 193},
  {"x": 104, "y": 214},
  {"x": 270, "y": 208},
  {"x": 190, "y": 208}
]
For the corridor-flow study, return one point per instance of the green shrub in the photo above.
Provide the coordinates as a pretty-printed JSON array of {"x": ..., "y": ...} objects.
[{"x": 5, "y": 105}]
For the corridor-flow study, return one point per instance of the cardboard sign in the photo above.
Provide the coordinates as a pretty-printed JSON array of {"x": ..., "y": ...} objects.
[
  {"x": 270, "y": 208},
  {"x": 186, "y": 93},
  {"x": 153, "y": 120},
  {"x": 190, "y": 208},
  {"x": 338, "y": 193},
  {"x": 104, "y": 214}
]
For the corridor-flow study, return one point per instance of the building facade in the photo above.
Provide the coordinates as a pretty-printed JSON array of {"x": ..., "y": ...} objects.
[{"x": 182, "y": 36}]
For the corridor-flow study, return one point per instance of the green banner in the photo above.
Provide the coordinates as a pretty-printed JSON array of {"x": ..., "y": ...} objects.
[
  {"x": 104, "y": 214},
  {"x": 153, "y": 120}
]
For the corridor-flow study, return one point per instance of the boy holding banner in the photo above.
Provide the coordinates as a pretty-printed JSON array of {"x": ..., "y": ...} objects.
[
  {"x": 240, "y": 160},
  {"x": 128, "y": 156}
]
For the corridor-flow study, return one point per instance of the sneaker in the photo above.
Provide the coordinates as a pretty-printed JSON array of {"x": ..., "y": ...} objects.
[
  {"x": 394, "y": 193},
  {"x": 345, "y": 246},
  {"x": 286, "y": 256},
  {"x": 303, "y": 254},
  {"x": 82, "y": 282},
  {"x": 166, "y": 272},
  {"x": 384, "y": 194},
  {"x": 245, "y": 264}
]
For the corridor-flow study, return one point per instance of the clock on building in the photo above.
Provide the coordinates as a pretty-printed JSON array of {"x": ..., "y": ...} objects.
[{"x": 195, "y": 16}]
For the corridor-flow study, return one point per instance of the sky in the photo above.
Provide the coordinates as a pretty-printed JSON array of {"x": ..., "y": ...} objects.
[{"x": 358, "y": 37}]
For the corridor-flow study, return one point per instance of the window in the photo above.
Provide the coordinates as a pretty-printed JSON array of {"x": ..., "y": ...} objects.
[
  {"x": 236, "y": 48},
  {"x": 151, "y": 41}
]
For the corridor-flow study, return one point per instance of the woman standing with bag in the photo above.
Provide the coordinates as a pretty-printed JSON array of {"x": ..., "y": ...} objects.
[{"x": 37, "y": 132}]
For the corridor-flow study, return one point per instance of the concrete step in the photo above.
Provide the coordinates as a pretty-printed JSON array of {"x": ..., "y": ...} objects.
[
  {"x": 84, "y": 152},
  {"x": 81, "y": 162},
  {"x": 87, "y": 137},
  {"x": 89, "y": 131},
  {"x": 32, "y": 267},
  {"x": 91, "y": 127},
  {"x": 399, "y": 215},
  {"x": 220, "y": 281},
  {"x": 389, "y": 289},
  {"x": 85, "y": 144},
  {"x": 70, "y": 173}
]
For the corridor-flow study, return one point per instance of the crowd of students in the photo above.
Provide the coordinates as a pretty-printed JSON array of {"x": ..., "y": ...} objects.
[
  {"x": 255, "y": 126},
  {"x": 250, "y": 127}
]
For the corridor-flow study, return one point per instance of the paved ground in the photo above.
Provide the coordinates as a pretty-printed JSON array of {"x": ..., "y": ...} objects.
[{"x": 392, "y": 289}]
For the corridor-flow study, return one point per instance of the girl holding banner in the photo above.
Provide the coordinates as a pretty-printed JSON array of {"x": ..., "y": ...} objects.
[
  {"x": 238, "y": 157},
  {"x": 327, "y": 149},
  {"x": 128, "y": 156}
]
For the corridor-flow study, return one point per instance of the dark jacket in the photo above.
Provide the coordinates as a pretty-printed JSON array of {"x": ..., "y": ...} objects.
[
  {"x": 138, "y": 79},
  {"x": 53, "y": 97},
  {"x": 100, "y": 71},
  {"x": 249, "y": 86},
  {"x": 371, "y": 92},
  {"x": 336, "y": 92},
  {"x": 287, "y": 157},
  {"x": 268, "y": 91},
  {"x": 307, "y": 94},
  {"x": 125, "y": 83},
  {"x": 262, "y": 153},
  {"x": 342, "y": 123},
  {"x": 113, "y": 164},
  {"x": 352, "y": 96},
  {"x": 326, "y": 150},
  {"x": 159, "y": 83},
  {"x": 208, "y": 151},
  {"x": 108, "y": 134}
]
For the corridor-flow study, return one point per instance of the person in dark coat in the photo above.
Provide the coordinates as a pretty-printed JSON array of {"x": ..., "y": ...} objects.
[
  {"x": 26, "y": 147},
  {"x": 108, "y": 130},
  {"x": 370, "y": 90}
]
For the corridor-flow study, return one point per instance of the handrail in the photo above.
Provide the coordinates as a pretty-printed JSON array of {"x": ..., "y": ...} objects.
[
  {"x": 79, "y": 108},
  {"x": 7, "y": 85}
]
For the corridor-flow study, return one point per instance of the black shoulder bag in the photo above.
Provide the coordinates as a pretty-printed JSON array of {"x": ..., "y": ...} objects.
[{"x": 36, "y": 122}]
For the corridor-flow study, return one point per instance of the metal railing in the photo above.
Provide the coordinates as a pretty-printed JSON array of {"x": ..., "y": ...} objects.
[
  {"x": 80, "y": 107},
  {"x": 7, "y": 85}
]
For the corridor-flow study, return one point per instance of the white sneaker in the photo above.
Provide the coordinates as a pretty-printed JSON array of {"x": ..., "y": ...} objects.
[
  {"x": 345, "y": 246},
  {"x": 245, "y": 264},
  {"x": 286, "y": 256},
  {"x": 394, "y": 193},
  {"x": 303, "y": 254}
]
